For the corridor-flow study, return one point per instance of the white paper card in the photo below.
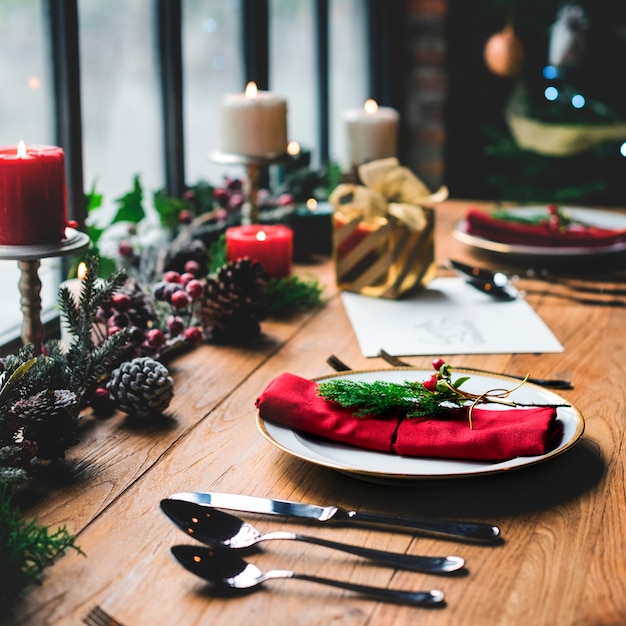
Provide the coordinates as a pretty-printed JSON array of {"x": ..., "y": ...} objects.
[{"x": 448, "y": 317}]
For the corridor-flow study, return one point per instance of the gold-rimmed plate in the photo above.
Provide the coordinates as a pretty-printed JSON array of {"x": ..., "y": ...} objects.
[
  {"x": 383, "y": 467},
  {"x": 594, "y": 217}
]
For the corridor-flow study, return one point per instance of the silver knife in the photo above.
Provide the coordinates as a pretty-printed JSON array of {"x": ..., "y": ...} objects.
[{"x": 459, "y": 530}]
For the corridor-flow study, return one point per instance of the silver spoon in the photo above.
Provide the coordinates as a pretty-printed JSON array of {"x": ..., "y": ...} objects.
[
  {"x": 217, "y": 528},
  {"x": 227, "y": 570}
]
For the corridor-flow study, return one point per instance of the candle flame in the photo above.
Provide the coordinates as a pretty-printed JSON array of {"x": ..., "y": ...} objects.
[
  {"x": 311, "y": 204},
  {"x": 370, "y": 106},
  {"x": 261, "y": 235},
  {"x": 81, "y": 272},
  {"x": 21, "y": 149},
  {"x": 293, "y": 148},
  {"x": 251, "y": 90}
]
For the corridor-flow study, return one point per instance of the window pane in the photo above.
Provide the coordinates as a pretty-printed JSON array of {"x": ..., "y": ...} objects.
[
  {"x": 25, "y": 113},
  {"x": 292, "y": 67},
  {"x": 347, "y": 67},
  {"x": 212, "y": 66},
  {"x": 121, "y": 98}
]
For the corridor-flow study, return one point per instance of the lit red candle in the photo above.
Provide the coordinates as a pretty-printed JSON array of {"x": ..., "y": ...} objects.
[
  {"x": 269, "y": 244},
  {"x": 33, "y": 206}
]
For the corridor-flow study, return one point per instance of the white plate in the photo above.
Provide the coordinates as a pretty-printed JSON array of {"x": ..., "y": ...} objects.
[
  {"x": 384, "y": 467},
  {"x": 594, "y": 217}
]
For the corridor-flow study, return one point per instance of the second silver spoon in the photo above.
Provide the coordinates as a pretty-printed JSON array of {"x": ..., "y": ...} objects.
[{"x": 217, "y": 528}]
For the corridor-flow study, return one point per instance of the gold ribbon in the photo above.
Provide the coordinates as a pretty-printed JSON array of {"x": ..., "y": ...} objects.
[{"x": 388, "y": 189}]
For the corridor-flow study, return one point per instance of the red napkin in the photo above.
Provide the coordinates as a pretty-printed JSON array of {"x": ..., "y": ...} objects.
[
  {"x": 497, "y": 434},
  {"x": 484, "y": 225}
]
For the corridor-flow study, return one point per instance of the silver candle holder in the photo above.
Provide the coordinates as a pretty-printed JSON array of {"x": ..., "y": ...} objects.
[{"x": 29, "y": 260}]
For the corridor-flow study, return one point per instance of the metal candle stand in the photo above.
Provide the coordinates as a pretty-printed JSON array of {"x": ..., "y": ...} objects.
[
  {"x": 28, "y": 260},
  {"x": 253, "y": 165}
]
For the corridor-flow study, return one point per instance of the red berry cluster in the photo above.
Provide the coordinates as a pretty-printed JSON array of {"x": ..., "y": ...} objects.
[
  {"x": 441, "y": 373},
  {"x": 230, "y": 196},
  {"x": 180, "y": 291}
]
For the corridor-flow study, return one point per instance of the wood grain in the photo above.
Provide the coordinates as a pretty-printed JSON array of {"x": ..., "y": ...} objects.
[{"x": 563, "y": 521}]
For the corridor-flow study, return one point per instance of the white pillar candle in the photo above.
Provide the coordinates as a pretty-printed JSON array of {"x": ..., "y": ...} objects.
[
  {"x": 253, "y": 123},
  {"x": 371, "y": 133}
]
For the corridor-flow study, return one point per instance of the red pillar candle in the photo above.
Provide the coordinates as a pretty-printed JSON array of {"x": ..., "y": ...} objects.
[
  {"x": 270, "y": 245},
  {"x": 33, "y": 206}
]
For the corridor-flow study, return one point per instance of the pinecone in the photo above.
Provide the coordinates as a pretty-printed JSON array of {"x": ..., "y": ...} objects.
[
  {"x": 142, "y": 312},
  {"x": 141, "y": 387},
  {"x": 50, "y": 420},
  {"x": 235, "y": 302}
]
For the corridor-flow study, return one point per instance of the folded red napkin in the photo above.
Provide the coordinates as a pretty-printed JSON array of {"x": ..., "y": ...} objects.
[
  {"x": 492, "y": 228},
  {"x": 497, "y": 435}
]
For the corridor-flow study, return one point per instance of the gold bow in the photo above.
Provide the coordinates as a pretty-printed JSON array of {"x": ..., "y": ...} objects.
[{"x": 388, "y": 189}]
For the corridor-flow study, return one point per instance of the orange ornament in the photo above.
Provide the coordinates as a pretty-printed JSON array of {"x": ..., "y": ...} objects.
[{"x": 504, "y": 53}]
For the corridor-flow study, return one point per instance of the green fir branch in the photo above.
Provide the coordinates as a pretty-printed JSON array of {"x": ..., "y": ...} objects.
[
  {"x": 27, "y": 548},
  {"x": 292, "y": 293},
  {"x": 381, "y": 398}
]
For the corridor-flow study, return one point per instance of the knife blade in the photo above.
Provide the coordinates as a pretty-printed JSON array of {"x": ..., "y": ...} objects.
[{"x": 450, "y": 529}]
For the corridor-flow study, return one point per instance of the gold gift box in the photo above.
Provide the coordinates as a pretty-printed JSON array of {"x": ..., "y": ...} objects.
[{"x": 383, "y": 237}]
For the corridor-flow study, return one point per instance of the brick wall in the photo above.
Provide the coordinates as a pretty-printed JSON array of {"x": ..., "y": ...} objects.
[{"x": 424, "y": 122}]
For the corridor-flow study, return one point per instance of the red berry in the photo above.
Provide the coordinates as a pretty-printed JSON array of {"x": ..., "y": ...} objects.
[
  {"x": 431, "y": 383},
  {"x": 194, "y": 288},
  {"x": 437, "y": 363},
  {"x": 113, "y": 330},
  {"x": 186, "y": 277},
  {"x": 236, "y": 201},
  {"x": 101, "y": 393},
  {"x": 185, "y": 216},
  {"x": 125, "y": 248},
  {"x": 221, "y": 195},
  {"x": 180, "y": 299},
  {"x": 155, "y": 337},
  {"x": 193, "y": 335},
  {"x": 122, "y": 302},
  {"x": 284, "y": 199},
  {"x": 175, "y": 325},
  {"x": 192, "y": 267},
  {"x": 171, "y": 277}
]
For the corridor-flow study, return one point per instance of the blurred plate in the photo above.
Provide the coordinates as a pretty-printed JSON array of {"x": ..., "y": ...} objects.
[
  {"x": 392, "y": 468},
  {"x": 593, "y": 217}
]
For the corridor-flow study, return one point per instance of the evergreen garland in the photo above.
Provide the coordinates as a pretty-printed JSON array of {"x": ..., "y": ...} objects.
[{"x": 26, "y": 549}]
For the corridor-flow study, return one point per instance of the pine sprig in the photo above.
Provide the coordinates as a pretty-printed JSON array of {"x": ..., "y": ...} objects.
[
  {"x": 26, "y": 549},
  {"x": 292, "y": 293},
  {"x": 413, "y": 399},
  {"x": 87, "y": 362},
  {"x": 381, "y": 398},
  {"x": 79, "y": 316}
]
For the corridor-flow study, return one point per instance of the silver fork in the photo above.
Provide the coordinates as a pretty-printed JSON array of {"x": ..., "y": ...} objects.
[
  {"x": 555, "y": 383},
  {"x": 99, "y": 617}
]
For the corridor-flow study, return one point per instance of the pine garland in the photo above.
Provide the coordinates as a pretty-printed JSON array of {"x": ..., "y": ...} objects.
[{"x": 26, "y": 549}]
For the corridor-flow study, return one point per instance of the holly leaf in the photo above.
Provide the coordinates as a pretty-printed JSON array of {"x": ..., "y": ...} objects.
[
  {"x": 168, "y": 208},
  {"x": 131, "y": 205}
]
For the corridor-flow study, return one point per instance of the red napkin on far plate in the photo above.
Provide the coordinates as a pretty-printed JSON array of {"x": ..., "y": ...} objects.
[
  {"x": 497, "y": 434},
  {"x": 489, "y": 227}
]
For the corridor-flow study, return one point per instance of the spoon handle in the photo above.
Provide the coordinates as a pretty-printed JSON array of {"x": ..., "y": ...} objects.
[
  {"x": 416, "y": 598},
  {"x": 415, "y": 563}
]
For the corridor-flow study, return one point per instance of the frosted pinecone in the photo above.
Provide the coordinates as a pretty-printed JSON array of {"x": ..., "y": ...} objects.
[
  {"x": 141, "y": 387},
  {"x": 236, "y": 301},
  {"x": 50, "y": 420}
]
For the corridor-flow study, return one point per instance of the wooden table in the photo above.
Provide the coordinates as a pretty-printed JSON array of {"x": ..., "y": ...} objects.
[{"x": 563, "y": 521}]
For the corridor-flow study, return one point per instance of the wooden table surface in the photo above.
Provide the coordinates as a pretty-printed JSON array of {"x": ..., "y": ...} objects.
[{"x": 563, "y": 521}]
